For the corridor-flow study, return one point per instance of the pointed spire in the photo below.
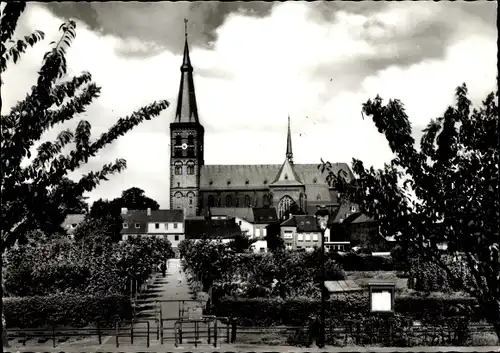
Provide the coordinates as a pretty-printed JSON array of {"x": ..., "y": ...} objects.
[
  {"x": 187, "y": 109},
  {"x": 289, "y": 153}
]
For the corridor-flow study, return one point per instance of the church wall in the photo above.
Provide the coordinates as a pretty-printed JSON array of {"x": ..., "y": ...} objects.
[{"x": 237, "y": 198}]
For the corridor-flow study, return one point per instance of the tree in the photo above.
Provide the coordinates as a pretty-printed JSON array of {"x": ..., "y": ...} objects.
[
  {"x": 103, "y": 220},
  {"x": 447, "y": 192},
  {"x": 134, "y": 199},
  {"x": 27, "y": 191},
  {"x": 273, "y": 237},
  {"x": 241, "y": 243}
]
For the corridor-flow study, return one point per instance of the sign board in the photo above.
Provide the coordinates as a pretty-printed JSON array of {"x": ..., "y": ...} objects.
[
  {"x": 195, "y": 313},
  {"x": 382, "y": 296}
]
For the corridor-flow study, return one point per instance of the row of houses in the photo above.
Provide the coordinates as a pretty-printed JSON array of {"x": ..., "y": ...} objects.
[{"x": 349, "y": 228}]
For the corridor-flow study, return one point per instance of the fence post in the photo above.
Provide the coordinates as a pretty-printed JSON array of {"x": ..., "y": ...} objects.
[
  {"x": 53, "y": 336},
  {"x": 180, "y": 331},
  {"x": 233, "y": 330},
  {"x": 117, "y": 330},
  {"x": 215, "y": 333},
  {"x": 147, "y": 340},
  {"x": 195, "y": 334},
  {"x": 227, "y": 330},
  {"x": 99, "y": 333},
  {"x": 208, "y": 329},
  {"x": 161, "y": 324},
  {"x": 132, "y": 332}
]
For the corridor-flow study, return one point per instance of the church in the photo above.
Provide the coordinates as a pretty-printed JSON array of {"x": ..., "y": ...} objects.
[{"x": 195, "y": 187}]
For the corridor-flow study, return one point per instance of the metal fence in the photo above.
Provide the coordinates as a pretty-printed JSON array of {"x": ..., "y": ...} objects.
[{"x": 218, "y": 330}]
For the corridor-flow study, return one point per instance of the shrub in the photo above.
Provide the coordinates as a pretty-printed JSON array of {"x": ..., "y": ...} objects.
[
  {"x": 65, "y": 310},
  {"x": 360, "y": 262},
  {"x": 427, "y": 276},
  {"x": 296, "y": 312}
]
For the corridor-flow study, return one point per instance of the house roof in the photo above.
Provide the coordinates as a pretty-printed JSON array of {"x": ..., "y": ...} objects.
[
  {"x": 211, "y": 228},
  {"x": 74, "y": 218},
  {"x": 264, "y": 215},
  {"x": 245, "y": 213},
  {"x": 304, "y": 223},
  {"x": 157, "y": 216},
  {"x": 255, "y": 215}
]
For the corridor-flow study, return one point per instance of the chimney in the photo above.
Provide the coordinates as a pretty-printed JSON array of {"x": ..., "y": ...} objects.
[
  {"x": 124, "y": 210},
  {"x": 149, "y": 211}
]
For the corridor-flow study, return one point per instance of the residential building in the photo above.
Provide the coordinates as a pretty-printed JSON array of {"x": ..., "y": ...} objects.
[
  {"x": 167, "y": 224},
  {"x": 196, "y": 187},
  {"x": 71, "y": 222},
  {"x": 300, "y": 232},
  {"x": 252, "y": 221},
  {"x": 206, "y": 228}
]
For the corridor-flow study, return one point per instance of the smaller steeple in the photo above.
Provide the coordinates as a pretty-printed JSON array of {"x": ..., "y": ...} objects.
[{"x": 289, "y": 153}]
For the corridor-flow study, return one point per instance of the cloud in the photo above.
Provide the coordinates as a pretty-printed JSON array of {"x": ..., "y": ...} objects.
[{"x": 255, "y": 65}]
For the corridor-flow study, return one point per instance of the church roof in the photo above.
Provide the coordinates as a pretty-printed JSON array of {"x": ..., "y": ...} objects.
[
  {"x": 287, "y": 175},
  {"x": 252, "y": 177},
  {"x": 187, "y": 109}
]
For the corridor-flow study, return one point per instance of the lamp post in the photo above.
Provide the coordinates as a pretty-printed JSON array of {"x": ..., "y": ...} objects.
[{"x": 322, "y": 216}]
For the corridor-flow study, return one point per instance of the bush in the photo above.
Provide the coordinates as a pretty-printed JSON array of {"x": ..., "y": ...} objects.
[
  {"x": 429, "y": 277},
  {"x": 296, "y": 312},
  {"x": 360, "y": 262},
  {"x": 65, "y": 310}
]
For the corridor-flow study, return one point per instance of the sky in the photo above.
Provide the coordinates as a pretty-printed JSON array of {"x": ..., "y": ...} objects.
[{"x": 256, "y": 63}]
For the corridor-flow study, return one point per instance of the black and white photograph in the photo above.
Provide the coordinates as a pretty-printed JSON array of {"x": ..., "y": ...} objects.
[{"x": 250, "y": 176}]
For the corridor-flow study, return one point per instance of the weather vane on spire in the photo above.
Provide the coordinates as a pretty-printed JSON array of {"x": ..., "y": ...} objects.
[{"x": 186, "y": 27}]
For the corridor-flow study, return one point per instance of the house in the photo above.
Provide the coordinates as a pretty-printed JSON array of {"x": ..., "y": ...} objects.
[
  {"x": 252, "y": 220},
  {"x": 205, "y": 228},
  {"x": 72, "y": 221},
  {"x": 154, "y": 223},
  {"x": 301, "y": 232}
]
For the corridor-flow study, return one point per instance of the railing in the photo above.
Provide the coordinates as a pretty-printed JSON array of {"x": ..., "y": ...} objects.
[
  {"x": 427, "y": 335},
  {"x": 180, "y": 333}
]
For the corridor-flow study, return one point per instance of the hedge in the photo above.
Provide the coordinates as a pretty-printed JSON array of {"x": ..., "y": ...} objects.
[
  {"x": 296, "y": 312},
  {"x": 360, "y": 262},
  {"x": 65, "y": 310}
]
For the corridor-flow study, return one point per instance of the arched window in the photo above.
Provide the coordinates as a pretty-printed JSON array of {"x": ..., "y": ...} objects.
[
  {"x": 229, "y": 201},
  {"x": 286, "y": 176},
  {"x": 178, "y": 168},
  {"x": 265, "y": 200},
  {"x": 178, "y": 140},
  {"x": 248, "y": 201},
  {"x": 318, "y": 197},
  {"x": 284, "y": 206},
  {"x": 190, "y": 199},
  {"x": 190, "y": 168},
  {"x": 211, "y": 201},
  {"x": 190, "y": 140},
  {"x": 178, "y": 200}
]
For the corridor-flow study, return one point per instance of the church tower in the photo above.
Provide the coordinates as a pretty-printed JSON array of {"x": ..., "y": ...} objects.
[{"x": 186, "y": 143}]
